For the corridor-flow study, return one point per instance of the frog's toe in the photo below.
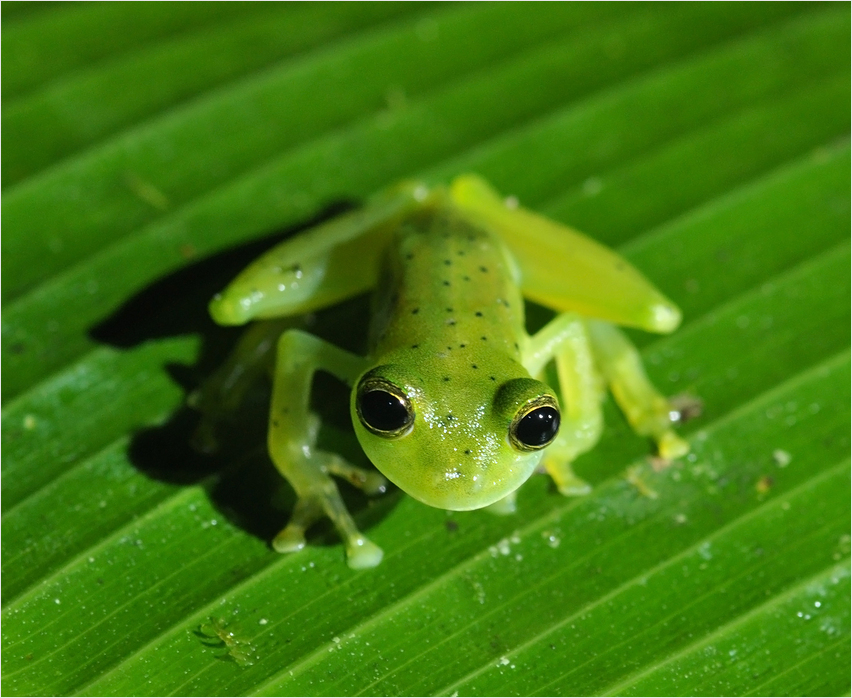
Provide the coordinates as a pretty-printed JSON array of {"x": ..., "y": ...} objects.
[
  {"x": 290, "y": 540},
  {"x": 671, "y": 445},
  {"x": 362, "y": 553},
  {"x": 374, "y": 484}
]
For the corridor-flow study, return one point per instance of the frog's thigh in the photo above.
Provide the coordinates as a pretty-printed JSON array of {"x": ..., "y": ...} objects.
[
  {"x": 564, "y": 269},
  {"x": 566, "y": 341},
  {"x": 315, "y": 269},
  {"x": 292, "y": 439},
  {"x": 648, "y": 412},
  {"x": 223, "y": 392}
]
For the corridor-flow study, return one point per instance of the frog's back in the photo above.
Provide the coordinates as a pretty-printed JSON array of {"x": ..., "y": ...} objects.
[{"x": 448, "y": 287}]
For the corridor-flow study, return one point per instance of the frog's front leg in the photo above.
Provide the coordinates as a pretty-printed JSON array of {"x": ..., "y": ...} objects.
[
  {"x": 292, "y": 445},
  {"x": 648, "y": 412},
  {"x": 566, "y": 341}
]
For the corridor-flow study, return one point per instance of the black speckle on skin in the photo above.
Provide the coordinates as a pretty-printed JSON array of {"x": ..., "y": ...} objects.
[
  {"x": 449, "y": 348},
  {"x": 450, "y": 418},
  {"x": 447, "y": 262},
  {"x": 492, "y": 378},
  {"x": 484, "y": 339},
  {"x": 474, "y": 366},
  {"x": 275, "y": 422},
  {"x": 484, "y": 270},
  {"x": 478, "y": 314},
  {"x": 467, "y": 451},
  {"x": 415, "y": 311},
  {"x": 449, "y": 310},
  {"x": 466, "y": 278},
  {"x": 409, "y": 256},
  {"x": 415, "y": 346},
  {"x": 462, "y": 345},
  {"x": 446, "y": 283},
  {"x": 446, "y": 379},
  {"x": 451, "y": 322},
  {"x": 460, "y": 253}
]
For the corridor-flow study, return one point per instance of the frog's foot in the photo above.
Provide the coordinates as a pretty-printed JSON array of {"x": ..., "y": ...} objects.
[
  {"x": 505, "y": 506},
  {"x": 361, "y": 552},
  {"x": 647, "y": 411},
  {"x": 566, "y": 480},
  {"x": 318, "y": 496}
]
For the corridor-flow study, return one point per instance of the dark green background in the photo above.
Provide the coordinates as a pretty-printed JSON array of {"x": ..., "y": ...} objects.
[{"x": 147, "y": 146}]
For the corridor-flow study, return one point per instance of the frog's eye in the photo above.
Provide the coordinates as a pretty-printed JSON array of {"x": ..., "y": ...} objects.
[
  {"x": 383, "y": 408},
  {"x": 535, "y": 425}
]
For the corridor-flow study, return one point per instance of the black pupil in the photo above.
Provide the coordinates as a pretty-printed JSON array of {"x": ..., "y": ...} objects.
[
  {"x": 383, "y": 411},
  {"x": 538, "y": 427}
]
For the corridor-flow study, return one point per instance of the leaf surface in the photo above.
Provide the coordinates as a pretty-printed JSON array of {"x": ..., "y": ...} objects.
[{"x": 708, "y": 143}]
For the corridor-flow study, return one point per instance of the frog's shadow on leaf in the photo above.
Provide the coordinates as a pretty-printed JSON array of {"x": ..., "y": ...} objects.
[{"x": 240, "y": 479}]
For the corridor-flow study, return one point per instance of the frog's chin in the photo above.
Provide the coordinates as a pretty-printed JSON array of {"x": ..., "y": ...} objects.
[
  {"x": 454, "y": 491},
  {"x": 462, "y": 501}
]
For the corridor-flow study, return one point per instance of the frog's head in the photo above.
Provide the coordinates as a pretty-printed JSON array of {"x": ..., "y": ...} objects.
[{"x": 458, "y": 449}]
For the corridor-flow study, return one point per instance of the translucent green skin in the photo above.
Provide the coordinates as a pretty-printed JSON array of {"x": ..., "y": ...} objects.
[{"x": 449, "y": 268}]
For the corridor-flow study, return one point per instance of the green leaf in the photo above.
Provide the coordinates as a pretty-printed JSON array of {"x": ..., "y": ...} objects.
[{"x": 153, "y": 149}]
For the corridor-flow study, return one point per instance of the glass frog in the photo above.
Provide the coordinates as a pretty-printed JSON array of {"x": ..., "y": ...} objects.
[{"x": 450, "y": 403}]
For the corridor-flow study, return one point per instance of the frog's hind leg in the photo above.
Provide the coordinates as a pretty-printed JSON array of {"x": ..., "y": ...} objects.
[
  {"x": 223, "y": 392},
  {"x": 647, "y": 411},
  {"x": 292, "y": 445},
  {"x": 563, "y": 269},
  {"x": 565, "y": 340}
]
